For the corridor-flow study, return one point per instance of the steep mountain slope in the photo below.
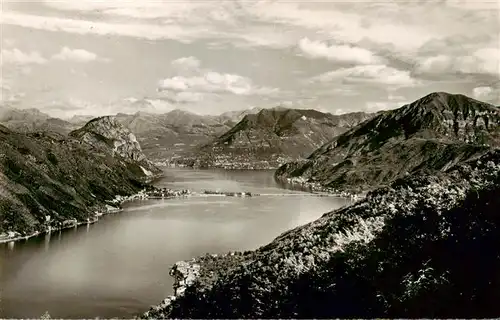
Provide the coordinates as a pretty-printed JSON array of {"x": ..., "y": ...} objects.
[
  {"x": 107, "y": 134},
  {"x": 427, "y": 247},
  {"x": 32, "y": 120},
  {"x": 165, "y": 135},
  {"x": 273, "y": 136},
  {"x": 49, "y": 181},
  {"x": 432, "y": 133}
]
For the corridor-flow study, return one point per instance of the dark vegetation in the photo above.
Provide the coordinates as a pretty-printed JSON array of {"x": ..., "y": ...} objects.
[
  {"x": 46, "y": 174},
  {"x": 427, "y": 246}
]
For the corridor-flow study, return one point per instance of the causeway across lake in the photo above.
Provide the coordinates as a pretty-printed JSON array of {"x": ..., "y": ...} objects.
[{"x": 119, "y": 266}]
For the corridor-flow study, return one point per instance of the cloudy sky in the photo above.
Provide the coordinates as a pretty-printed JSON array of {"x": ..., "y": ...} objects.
[{"x": 69, "y": 57}]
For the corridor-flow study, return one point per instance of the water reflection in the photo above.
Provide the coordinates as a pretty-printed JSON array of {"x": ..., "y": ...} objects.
[
  {"x": 47, "y": 240},
  {"x": 119, "y": 266}
]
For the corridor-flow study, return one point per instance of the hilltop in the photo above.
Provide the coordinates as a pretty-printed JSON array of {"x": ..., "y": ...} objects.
[
  {"x": 272, "y": 136},
  {"x": 429, "y": 134}
]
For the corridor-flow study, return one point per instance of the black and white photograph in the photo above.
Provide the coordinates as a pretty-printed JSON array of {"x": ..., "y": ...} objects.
[{"x": 249, "y": 159}]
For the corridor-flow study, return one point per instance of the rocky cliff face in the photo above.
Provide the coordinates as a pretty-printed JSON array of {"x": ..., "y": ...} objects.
[
  {"x": 427, "y": 246},
  {"x": 432, "y": 133},
  {"x": 272, "y": 137},
  {"x": 107, "y": 134},
  {"x": 49, "y": 181}
]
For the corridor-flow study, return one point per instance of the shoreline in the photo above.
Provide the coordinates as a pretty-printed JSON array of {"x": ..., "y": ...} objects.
[
  {"x": 184, "y": 274},
  {"x": 224, "y": 166},
  {"x": 145, "y": 195},
  {"x": 316, "y": 188},
  {"x": 118, "y": 200},
  {"x": 50, "y": 230}
]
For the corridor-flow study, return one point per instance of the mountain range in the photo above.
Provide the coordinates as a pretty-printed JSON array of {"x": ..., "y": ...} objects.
[
  {"x": 33, "y": 120},
  {"x": 431, "y": 133},
  {"x": 422, "y": 243},
  {"x": 271, "y": 137},
  {"x": 162, "y": 136}
]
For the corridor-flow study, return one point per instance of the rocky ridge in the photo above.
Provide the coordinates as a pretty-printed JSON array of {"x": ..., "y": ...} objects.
[
  {"x": 432, "y": 133},
  {"x": 354, "y": 262}
]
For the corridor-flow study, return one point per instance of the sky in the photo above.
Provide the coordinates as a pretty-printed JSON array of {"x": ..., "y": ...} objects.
[{"x": 90, "y": 57}]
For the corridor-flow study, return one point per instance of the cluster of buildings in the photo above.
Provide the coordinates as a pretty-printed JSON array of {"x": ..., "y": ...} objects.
[
  {"x": 230, "y": 194},
  {"x": 160, "y": 193}
]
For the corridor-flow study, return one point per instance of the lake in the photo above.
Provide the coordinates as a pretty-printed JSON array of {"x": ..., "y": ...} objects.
[{"x": 118, "y": 267}]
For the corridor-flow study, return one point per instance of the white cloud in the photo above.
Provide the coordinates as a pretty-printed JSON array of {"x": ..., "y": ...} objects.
[
  {"x": 369, "y": 74},
  {"x": 142, "y": 105},
  {"x": 16, "y": 56},
  {"x": 186, "y": 63},
  {"x": 332, "y": 20},
  {"x": 480, "y": 92},
  {"x": 481, "y": 61},
  {"x": 382, "y": 41},
  {"x": 474, "y": 5},
  {"x": 400, "y": 26},
  {"x": 66, "y": 108},
  {"x": 374, "y": 106},
  {"x": 341, "y": 53},
  {"x": 7, "y": 42},
  {"x": 487, "y": 94},
  {"x": 78, "y": 26},
  {"x": 488, "y": 60},
  {"x": 350, "y": 23},
  {"x": 393, "y": 97},
  {"x": 214, "y": 82},
  {"x": 134, "y": 8},
  {"x": 183, "y": 96},
  {"x": 76, "y": 55}
]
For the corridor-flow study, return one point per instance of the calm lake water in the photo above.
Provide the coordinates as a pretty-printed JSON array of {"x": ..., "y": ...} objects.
[{"x": 119, "y": 266}]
